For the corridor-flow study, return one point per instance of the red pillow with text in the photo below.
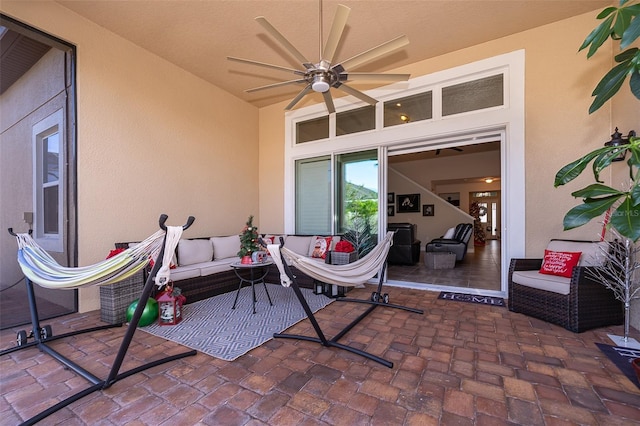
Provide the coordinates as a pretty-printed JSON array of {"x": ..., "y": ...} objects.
[
  {"x": 321, "y": 247},
  {"x": 559, "y": 263}
]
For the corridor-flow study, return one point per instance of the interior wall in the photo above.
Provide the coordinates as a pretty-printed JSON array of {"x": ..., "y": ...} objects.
[
  {"x": 557, "y": 124},
  {"x": 152, "y": 139}
]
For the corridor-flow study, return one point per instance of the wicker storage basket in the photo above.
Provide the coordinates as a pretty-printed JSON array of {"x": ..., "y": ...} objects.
[
  {"x": 116, "y": 298},
  {"x": 440, "y": 260},
  {"x": 339, "y": 258}
]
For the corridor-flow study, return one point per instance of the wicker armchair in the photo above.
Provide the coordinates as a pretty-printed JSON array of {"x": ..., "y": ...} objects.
[{"x": 583, "y": 305}]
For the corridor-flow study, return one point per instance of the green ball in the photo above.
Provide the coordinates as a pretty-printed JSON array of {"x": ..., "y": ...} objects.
[{"x": 149, "y": 314}]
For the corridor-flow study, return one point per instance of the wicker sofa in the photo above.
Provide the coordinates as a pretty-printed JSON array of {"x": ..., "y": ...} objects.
[
  {"x": 578, "y": 303},
  {"x": 202, "y": 270}
]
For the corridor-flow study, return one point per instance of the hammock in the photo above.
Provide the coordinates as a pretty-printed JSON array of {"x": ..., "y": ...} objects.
[
  {"x": 41, "y": 268},
  {"x": 350, "y": 275}
]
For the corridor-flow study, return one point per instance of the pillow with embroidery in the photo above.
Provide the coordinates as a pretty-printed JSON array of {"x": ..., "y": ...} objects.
[
  {"x": 321, "y": 247},
  {"x": 559, "y": 263}
]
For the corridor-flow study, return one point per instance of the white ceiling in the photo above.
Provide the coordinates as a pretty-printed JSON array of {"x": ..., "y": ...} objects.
[{"x": 198, "y": 35}]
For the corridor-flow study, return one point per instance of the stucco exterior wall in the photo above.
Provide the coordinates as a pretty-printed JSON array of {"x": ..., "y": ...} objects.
[{"x": 152, "y": 139}]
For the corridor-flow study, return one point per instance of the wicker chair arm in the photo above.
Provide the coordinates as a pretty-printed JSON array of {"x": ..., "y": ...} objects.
[{"x": 525, "y": 264}]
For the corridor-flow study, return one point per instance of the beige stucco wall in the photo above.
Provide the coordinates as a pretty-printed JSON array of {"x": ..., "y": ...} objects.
[
  {"x": 559, "y": 129},
  {"x": 152, "y": 139}
]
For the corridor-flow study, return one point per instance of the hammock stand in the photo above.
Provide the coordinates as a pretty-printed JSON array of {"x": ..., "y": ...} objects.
[
  {"x": 44, "y": 335},
  {"x": 377, "y": 299}
]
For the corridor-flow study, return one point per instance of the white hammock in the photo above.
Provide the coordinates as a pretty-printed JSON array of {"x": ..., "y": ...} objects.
[
  {"x": 349, "y": 275},
  {"x": 42, "y": 269}
]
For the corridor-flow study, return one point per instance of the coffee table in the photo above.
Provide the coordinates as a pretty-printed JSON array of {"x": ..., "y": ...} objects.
[{"x": 252, "y": 273}]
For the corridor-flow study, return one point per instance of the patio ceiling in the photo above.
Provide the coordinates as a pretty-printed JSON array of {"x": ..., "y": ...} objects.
[{"x": 198, "y": 35}]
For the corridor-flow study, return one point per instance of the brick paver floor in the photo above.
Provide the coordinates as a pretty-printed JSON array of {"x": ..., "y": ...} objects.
[{"x": 458, "y": 364}]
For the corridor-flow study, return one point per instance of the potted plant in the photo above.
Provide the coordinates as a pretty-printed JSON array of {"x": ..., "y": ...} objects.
[
  {"x": 621, "y": 207},
  {"x": 248, "y": 241}
]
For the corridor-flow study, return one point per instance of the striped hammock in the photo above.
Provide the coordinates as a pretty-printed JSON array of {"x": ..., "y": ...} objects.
[
  {"x": 42, "y": 269},
  {"x": 350, "y": 275}
]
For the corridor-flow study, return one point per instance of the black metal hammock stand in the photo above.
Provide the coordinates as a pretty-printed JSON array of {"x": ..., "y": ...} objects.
[
  {"x": 43, "y": 335},
  {"x": 377, "y": 299}
]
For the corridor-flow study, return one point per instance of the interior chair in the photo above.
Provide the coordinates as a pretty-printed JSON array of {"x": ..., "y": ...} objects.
[
  {"x": 457, "y": 243},
  {"x": 406, "y": 248},
  {"x": 578, "y": 302}
]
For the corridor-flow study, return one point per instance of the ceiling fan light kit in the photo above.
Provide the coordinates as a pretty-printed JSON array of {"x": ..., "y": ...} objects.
[{"x": 324, "y": 75}]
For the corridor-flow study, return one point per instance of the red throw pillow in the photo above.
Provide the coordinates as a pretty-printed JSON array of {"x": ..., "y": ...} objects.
[
  {"x": 559, "y": 263},
  {"x": 321, "y": 247},
  {"x": 344, "y": 246}
]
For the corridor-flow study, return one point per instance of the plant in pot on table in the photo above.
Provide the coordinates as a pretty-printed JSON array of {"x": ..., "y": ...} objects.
[
  {"x": 620, "y": 207},
  {"x": 248, "y": 241}
]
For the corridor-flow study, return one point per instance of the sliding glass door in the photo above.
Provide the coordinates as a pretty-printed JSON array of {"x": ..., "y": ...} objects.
[{"x": 352, "y": 178}]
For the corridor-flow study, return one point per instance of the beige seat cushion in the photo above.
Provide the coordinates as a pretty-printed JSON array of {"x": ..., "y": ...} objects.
[{"x": 535, "y": 279}]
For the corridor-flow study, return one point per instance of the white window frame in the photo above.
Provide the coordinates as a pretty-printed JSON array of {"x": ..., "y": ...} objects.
[
  {"x": 504, "y": 122},
  {"x": 54, "y": 123}
]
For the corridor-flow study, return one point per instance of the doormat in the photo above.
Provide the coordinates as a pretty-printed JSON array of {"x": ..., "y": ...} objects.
[
  {"x": 622, "y": 358},
  {"x": 472, "y": 298}
]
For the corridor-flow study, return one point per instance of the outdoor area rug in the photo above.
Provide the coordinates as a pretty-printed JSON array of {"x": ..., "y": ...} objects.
[
  {"x": 622, "y": 358},
  {"x": 212, "y": 327},
  {"x": 472, "y": 298}
]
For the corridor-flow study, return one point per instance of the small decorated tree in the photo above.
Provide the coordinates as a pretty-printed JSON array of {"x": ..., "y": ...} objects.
[
  {"x": 248, "y": 239},
  {"x": 476, "y": 210}
]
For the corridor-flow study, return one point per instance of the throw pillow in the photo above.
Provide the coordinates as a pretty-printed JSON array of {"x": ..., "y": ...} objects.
[
  {"x": 194, "y": 251},
  {"x": 559, "y": 263},
  {"x": 225, "y": 247},
  {"x": 321, "y": 247},
  {"x": 449, "y": 234}
]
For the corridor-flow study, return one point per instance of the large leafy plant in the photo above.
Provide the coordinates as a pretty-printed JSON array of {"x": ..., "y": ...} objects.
[{"x": 619, "y": 23}]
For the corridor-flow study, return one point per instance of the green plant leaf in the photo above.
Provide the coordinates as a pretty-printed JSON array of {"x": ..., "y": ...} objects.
[
  {"x": 574, "y": 169},
  {"x": 626, "y": 220},
  {"x": 635, "y": 195},
  {"x": 634, "y": 83},
  {"x": 631, "y": 33},
  {"x": 583, "y": 213},
  {"x": 597, "y": 190},
  {"x": 606, "y": 12},
  {"x": 598, "y": 36},
  {"x": 609, "y": 85}
]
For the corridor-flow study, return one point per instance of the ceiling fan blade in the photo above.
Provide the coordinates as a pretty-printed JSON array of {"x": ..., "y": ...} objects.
[
  {"x": 283, "y": 41},
  {"x": 375, "y": 52},
  {"x": 329, "y": 101},
  {"x": 279, "y": 84},
  {"x": 373, "y": 76},
  {"x": 337, "y": 27},
  {"x": 298, "y": 97},
  {"x": 358, "y": 94},
  {"x": 265, "y": 65}
]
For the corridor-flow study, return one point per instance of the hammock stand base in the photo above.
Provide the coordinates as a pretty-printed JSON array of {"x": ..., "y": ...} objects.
[
  {"x": 114, "y": 375},
  {"x": 333, "y": 342}
]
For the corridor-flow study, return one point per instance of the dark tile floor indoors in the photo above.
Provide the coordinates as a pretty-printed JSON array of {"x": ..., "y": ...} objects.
[
  {"x": 480, "y": 268},
  {"x": 458, "y": 364}
]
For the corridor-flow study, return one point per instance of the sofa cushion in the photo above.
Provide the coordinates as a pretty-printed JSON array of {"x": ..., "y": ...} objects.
[
  {"x": 194, "y": 251},
  {"x": 300, "y": 244},
  {"x": 535, "y": 279},
  {"x": 225, "y": 247},
  {"x": 217, "y": 266},
  {"x": 559, "y": 263},
  {"x": 592, "y": 252},
  {"x": 185, "y": 272}
]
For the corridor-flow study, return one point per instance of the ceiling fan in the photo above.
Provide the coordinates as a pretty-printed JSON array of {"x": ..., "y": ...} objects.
[{"x": 326, "y": 74}]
